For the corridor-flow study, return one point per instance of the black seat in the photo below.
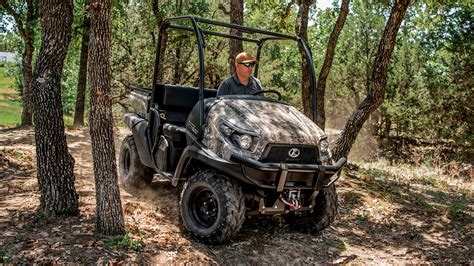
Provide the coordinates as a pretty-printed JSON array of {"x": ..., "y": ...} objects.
[
  {"x": 178, "y": 101},
  {"x": 183, "y": 97}
]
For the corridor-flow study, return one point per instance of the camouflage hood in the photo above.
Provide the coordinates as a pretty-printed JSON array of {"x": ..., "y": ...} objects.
[{"x": 270, "y": 122}]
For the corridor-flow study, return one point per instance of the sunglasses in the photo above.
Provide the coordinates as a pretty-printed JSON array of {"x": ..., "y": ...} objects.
[{"x": 248, "y": 64}]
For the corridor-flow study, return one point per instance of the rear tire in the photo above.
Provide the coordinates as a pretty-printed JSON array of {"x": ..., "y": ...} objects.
[
  {"x": 322, "y": 215},
  {"x": 212, "y": 207},
  {"x": 132, "y": 173}
]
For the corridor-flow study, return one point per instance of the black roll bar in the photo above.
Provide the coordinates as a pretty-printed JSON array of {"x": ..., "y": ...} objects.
[
  {"x": 201, "y": 44},
  {"x": 239, "y": 27},
  {"x": 214, "y": 33}
]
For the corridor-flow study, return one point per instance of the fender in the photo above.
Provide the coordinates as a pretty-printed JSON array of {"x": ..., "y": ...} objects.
[
  {"x": 196, "y": 153},
  {"x": 139, "y": 127}
]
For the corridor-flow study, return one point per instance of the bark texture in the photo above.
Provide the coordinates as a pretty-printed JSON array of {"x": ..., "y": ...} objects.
[
  {"x": 301, "y": 30},
  {"x": 375, "y": 96},
  {"x": 164, "y": 40},
  {"x": 82, "y": 79},
  {"x": 109, "y": 212},
  {"x": 236, "y": 15},
  {"x": 55, "y": 164},
  {"x": 27, "y": 32},
  {"x": 323, "y": 74}
]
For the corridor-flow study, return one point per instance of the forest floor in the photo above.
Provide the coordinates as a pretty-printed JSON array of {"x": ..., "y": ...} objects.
[{"x": 387, "y": 214}]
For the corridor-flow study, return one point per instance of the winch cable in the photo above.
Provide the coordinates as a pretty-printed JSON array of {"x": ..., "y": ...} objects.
[{"x": 287, "y": 203}]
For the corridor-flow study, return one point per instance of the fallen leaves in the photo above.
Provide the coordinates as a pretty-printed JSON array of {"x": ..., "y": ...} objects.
[{"x": 370, "y": 227}]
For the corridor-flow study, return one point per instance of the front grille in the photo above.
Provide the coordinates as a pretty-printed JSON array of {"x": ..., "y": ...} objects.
[{"x": 275, "y": 153}]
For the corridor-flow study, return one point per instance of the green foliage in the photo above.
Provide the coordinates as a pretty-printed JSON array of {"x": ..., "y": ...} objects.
[
  {"x": 9, "y": 42},
  {"x": 123, "y": 243},
  {"x": 4, "y": 256},
  {"x": 70, "y": 75},
  {"x": 460, "y": 208},
  {"x": 429, "y": 87}
]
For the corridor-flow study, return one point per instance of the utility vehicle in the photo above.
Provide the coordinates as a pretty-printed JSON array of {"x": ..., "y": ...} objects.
[{"x": 238, "y": 155}]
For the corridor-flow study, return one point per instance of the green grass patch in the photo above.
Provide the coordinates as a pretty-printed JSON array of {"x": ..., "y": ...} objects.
[
  {"x": 353, "y": 198},
  {"x": 10, "y": 106},
  {"x": 123, "y": 243},
  {"x": 4, "y": 256},
  {"x": 459, "y": 209},
  {"x": 432, "y": 182},
  {"x": 10, "y": 113},
  {"x": 5, "y": 80},
  {"x": 383, "y": 183}
]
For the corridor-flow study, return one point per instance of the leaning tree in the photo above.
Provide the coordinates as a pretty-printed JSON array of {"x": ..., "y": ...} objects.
[
  {"x": 55, "y": 164},
  {"x": 377, "y": 83}
]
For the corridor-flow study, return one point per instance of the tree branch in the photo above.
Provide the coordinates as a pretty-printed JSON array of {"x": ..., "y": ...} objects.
[
  {"x": 16, "y": 17},
  {"x": 378, "y": 81},
  {"x": 222, "y": 7},
  {"x": 287, "y": 12},
  {"x": 330, "y": 51}
]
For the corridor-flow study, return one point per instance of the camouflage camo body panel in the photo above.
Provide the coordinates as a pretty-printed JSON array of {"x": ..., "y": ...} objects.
[{"x": 272, "y": 122}]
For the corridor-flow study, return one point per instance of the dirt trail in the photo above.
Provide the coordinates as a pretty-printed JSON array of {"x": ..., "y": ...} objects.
[{"x": 385, "y": 216}]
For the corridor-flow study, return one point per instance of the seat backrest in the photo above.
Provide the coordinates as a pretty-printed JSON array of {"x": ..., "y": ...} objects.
[
  {"x": 183, "y": 98},
  {"x": 178, "y": 101}
]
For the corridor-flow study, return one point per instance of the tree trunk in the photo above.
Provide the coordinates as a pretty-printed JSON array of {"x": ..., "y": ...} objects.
[
  {"x": 26, "y": 28},
  {"x": 55, "y": 164},
  {"x": 301, "y": 30},
  {"x": 27, "y": 61},
  {"x": 378, "y": 81},
  {"x": 27, "y": 73},
  {"x": 109, "y": 213},
  {"x": 236, "y": 15},
  {"x": 82, "y": 79},
  {"x": 330, "y": 51},
  {"x": 164, "y": 39},
  {"x": 156, "y": 12}
]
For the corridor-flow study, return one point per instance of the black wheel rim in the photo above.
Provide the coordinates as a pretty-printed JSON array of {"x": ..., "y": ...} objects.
[
  {"x": 204, "y": 207},
  {"x": 126, "y": 161}
]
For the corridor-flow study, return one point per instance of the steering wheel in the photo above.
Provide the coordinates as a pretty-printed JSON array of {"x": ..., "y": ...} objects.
[{"x": 271, "y": 91}]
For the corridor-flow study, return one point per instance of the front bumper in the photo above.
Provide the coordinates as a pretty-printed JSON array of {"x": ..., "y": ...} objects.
[
  {"x": 273, "y": 176},
  {"x": 321, "y": 174}
]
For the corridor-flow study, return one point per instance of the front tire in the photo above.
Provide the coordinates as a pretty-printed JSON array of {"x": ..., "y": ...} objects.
[
  {"x": 132, "y": 173},
  {"x": 322, "y": 215},
  {"x": 212, "y": 207}
]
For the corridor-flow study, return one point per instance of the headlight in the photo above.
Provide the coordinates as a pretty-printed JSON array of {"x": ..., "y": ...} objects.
[
  {"x": 227, "y": 131},
  {"x": 325, "y": 153},
  {"x": 324, "y": 146},
  {"x": 240, "y": 138},
  {"x": 244, "y": 141}
]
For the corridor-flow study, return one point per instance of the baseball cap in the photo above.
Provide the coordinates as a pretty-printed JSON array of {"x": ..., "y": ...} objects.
[{"x": 245, "y": 57}]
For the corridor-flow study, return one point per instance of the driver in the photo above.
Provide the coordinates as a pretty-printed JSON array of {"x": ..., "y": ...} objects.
[{"x": 242, "y": 82}]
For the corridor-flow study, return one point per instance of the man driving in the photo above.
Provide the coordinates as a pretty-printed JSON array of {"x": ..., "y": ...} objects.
[{"x": 242, "y": 82}]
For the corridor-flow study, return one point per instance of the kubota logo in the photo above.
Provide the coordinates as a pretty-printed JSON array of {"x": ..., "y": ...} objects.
[{"x": 294, "y": 152}]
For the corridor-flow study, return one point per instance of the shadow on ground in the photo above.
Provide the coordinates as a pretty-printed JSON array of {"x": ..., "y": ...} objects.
[{"x": 383, "y": 218}]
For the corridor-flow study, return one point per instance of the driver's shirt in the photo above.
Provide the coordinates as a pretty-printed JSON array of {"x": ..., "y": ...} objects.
[{"x": 232, "y": 86}]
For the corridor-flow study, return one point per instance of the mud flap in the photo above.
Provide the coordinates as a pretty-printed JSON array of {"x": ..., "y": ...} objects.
[{"x": 139, "y": 127}]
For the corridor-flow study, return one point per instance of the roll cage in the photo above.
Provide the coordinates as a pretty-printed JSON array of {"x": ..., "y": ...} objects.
[{"x": 201, "y": 43}]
